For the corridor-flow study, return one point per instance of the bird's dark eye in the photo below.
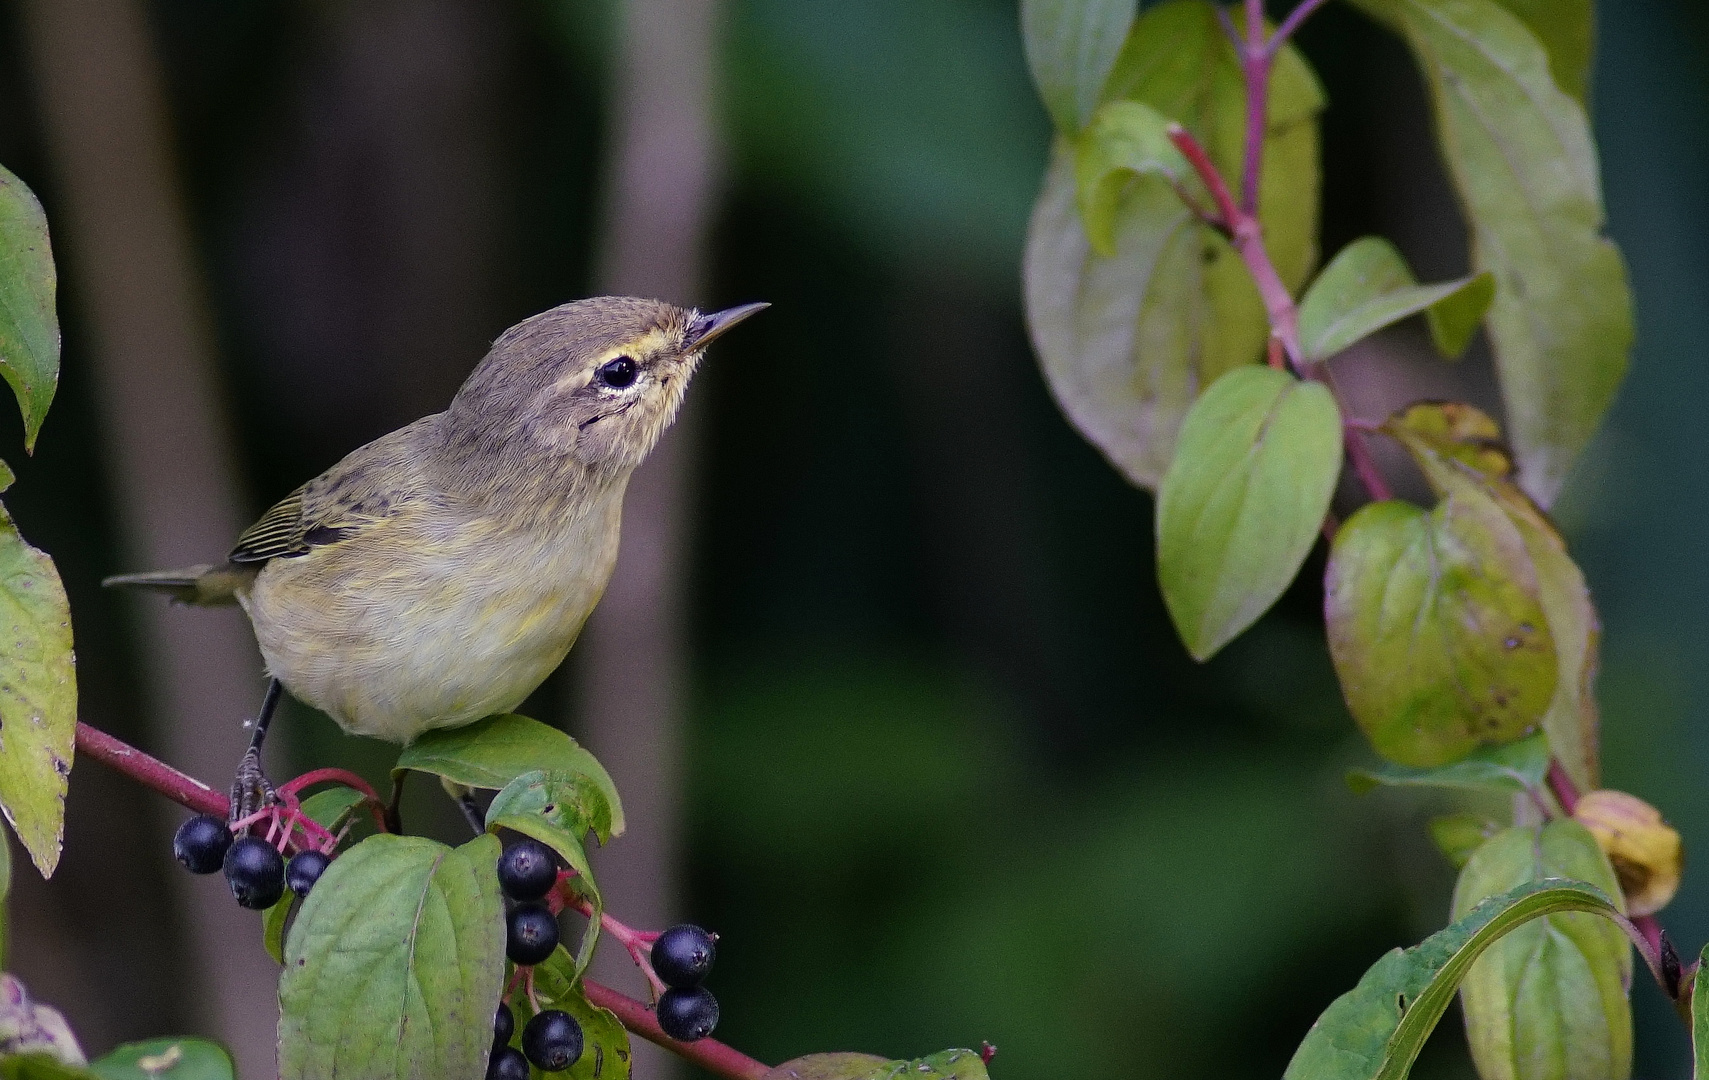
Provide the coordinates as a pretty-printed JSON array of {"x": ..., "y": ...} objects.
[{"x": 618, "y": 373}]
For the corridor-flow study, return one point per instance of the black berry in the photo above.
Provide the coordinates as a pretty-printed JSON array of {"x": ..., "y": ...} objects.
[
  {"x": 504, "y": 1026},
  {"x": 201, "y": 843},
  {"x": 552, "y": 1041},
  {"x": 531, "y": 933},
  {"x": 687, "y": 1015},
  {"x": 304, "y": 869},
  {"x": 527, "y": 871},
  {"x": 507, "y": 1064},
  {"x": 683, "y": 955},
  {"x": 256, "y": 872}
]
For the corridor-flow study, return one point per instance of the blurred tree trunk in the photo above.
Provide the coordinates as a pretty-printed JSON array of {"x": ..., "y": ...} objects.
[
  {"x": 633, "y": 661},
  {"x": 127, "y": 245}
]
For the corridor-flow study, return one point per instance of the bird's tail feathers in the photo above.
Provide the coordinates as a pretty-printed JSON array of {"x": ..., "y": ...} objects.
[{"x": 206, "y": 585}]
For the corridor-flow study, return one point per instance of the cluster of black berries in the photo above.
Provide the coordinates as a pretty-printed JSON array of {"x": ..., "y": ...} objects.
[
  {"x": 552, "y": 1040},
  {"x": 257, "y": 873},
  {"x": 682, "y": 958}
]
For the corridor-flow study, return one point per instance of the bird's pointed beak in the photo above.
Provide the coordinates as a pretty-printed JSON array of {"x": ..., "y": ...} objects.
[{"x": 704, "y": 329}]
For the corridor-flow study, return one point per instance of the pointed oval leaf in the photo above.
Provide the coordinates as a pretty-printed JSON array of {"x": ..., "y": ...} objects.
[
  {"x": 29, "y": 320},
  {"x": 395, "y": 962},
  {"x": 491, "y": 753},
  {"x": 1436, "y": 628},
  {"x": 1070, "y": 46},
  {"x": 1519, "y": 152},
  {"x": 1244, "y": 501},
  {"x": 1548, "y": 1001},
  {"x": 1375, "y": 1030},
  {"x": 1514, "y": 768},
  {"x": 1368, "y": 286},
  {"x": 1700, "y": 1024},
  {"x": 841, "y": 1065},
  {"x": 166, "y": 1059},
  {"x": 1457, "y": 836},
  {"x": 1127, "y": 342},
  {"x": 1125, "y": 140},
  {"x": 38, "y": 696},
  {"x": 1455, "y": 443}
]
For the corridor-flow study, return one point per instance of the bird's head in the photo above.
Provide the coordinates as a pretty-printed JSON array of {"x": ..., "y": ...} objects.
[{"x": 597, "y": 380}]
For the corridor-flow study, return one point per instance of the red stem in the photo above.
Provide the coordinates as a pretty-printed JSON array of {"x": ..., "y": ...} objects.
[
  {"x": 1255, "y": 57},
  {"x": 1566, "y": 792},
  {"x": 147, "y": 771},
  {"x": 151, "y": 773},
  {"x": 1365, "y": 465},
  {"x": 709, "y": 1054}
]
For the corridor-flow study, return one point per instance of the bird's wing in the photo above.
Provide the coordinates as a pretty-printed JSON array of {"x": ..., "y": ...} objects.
[{"x": 368, "y": 487}]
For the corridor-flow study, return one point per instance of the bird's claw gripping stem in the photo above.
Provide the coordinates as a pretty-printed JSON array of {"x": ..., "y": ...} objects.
[{"x": 251, "y": 792}]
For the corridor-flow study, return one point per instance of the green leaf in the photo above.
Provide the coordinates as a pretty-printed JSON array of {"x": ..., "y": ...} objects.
[
  {"x": 330, "y": 807},
  {"x": 1436, "y": 628},
  {"x": 273, "y": 924},
  {"x": 1128, "y": 341},
  {"x": 491, "y": 753},
  {"x": 1070, "y": 47},
  {"x": 1126, "y": 140},
  {"x": 833, "y": 1066},
  {"x": 5, "y": 891},
  {"x": 166, "y": 1059},
  {"x": 35, "y": 1066},
  {"x": 29, "y": 322},
  {"x": 1567, "y": 31},
  {"x": 38, "y": 696},
  {"x": 1457, "y": 836},
  {"x": 1375, "y": 1030},
  {"x": 944, "y": 1065},
  {"x": 1368, "y": 286},
  {"x": 1516, "y": 767},
  {"x": 1700, "y": 1024},
  {"x": 605, "y": 1042},
  {"x": 394, "y": 965},
  {"x": 1454, "y": 443},
  {"x": 1242, "y": 505},
  {"x": 1548, "y": 1001},
  {"x": 556, "y": 809},
  {"x": 1519, "y": 152}
]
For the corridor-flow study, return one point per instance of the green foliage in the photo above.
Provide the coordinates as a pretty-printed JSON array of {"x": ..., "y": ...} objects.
[
  {"x": 39, "y": 1067},
  {"x": 1457, "y": 836},
  {"x": 491, "y": 753},
  {"x": 1127, "y": 341},
  {"x": 1071, "y": 45},
  {"x": 605, "y": 1043},
  {"x": 1436, "y": 628},
  {"x": 1514, "y": 768},
  {"x": 394, "y": 964},
  {"x": 1567, "y": 31},
  {"x": 1242, "y": 504},
  {"x": 1519, "y": 152},
  {"x": 165, "y": 1059},
  {"x": 1700, "y": 1025},
  {"x": 1547, "y": 1001},
  {"x": 29, "y": 321},
  {"x": 945, "y": 1065},
  {"x": 1375, "y": 1030},
  {"x": 1368, "y": 286},
  {"x": 1458, "y": 446},
  {"x": 38, "y": 696},
  {"x": 1126, "y": 140}
]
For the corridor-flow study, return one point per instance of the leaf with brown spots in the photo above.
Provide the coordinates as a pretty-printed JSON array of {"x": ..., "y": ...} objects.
[
  {"x": 1437, "y": 629},
  {"x": 38, "y": 696}
]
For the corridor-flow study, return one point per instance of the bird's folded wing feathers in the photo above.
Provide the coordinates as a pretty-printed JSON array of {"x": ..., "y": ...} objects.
[{"x": 306, "y": 518}]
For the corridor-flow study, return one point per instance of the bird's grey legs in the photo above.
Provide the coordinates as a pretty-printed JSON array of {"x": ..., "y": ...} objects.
[{"x": 250, "y": 791}]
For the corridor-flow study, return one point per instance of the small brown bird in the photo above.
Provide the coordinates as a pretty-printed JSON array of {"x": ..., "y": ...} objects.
[{"x": 440, "y": 573}]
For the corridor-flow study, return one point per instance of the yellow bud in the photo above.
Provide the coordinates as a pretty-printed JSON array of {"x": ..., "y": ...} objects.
[{"x": 1644, "y": 850}]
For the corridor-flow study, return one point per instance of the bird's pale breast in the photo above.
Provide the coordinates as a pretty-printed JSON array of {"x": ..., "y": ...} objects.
[{"x": 425, "y": 621}]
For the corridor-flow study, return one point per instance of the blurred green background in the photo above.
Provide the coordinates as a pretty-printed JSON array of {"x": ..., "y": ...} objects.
[{"x": 951, "y": 776}]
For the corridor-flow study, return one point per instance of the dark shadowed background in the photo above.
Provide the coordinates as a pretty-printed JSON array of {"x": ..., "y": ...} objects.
[{"x": 942, "y": 772}]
